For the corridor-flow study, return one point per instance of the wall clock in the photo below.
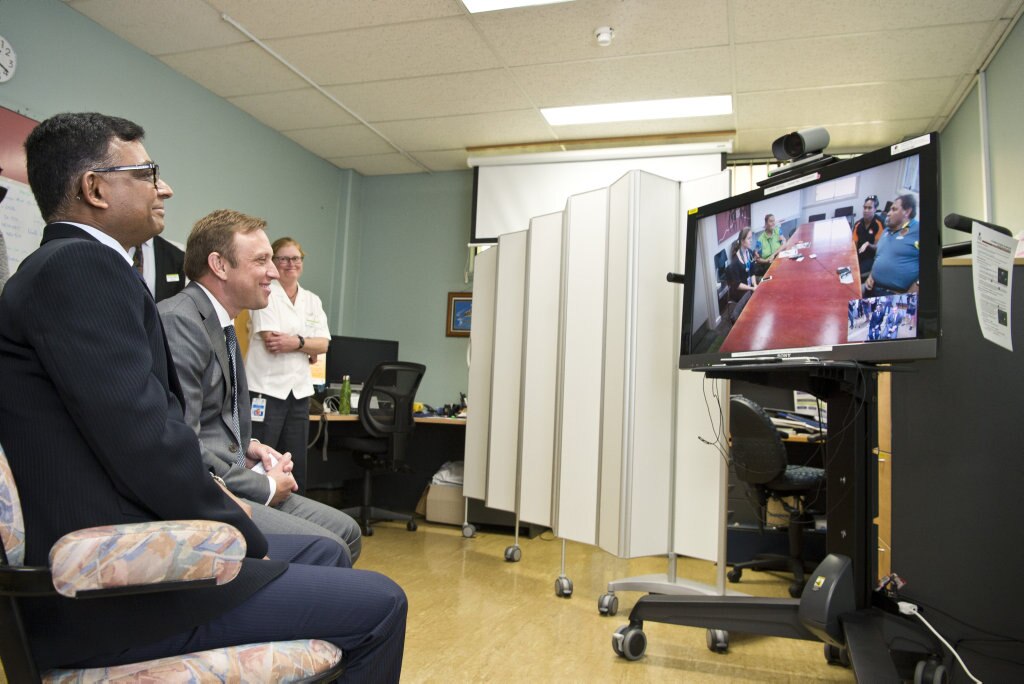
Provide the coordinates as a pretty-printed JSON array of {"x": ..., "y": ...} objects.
[{"x": 8, "y": 60}]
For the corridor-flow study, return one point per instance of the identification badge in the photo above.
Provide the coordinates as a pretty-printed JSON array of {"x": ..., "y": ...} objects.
[
  {"x": 259, "y": 409},
  {"x": 173, "y": 277}
]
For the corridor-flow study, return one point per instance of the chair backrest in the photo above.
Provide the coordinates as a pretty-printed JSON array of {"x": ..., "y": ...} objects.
[
  {"x": 816, "y": 217},
  {"x": 385, "y": 402},
  {"x": 758, "y": 454},
  {"x": 12, "y": 525},
  {"x": 843, "y": 211}
]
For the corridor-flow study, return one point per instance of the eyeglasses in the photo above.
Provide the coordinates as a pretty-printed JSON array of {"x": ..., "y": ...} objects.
[
  {"x": 296, "y": 260},
  {"x": 155, "y": 168},
  {"x": 872, "y": 198}
]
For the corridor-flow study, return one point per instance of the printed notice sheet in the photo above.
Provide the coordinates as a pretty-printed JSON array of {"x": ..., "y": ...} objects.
[{"x": 993, "y": 283}]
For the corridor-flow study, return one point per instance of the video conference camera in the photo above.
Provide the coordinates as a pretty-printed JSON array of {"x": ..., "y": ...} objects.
[{"x": 800, "y": 144}]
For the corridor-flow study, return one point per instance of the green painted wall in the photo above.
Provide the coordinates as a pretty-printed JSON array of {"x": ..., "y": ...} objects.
[
  {"x": 961, "y": 145},
  {"x": 413, "y": 231},
  {"x": 213, "y": 154},
  {"x": 960, "y": 161}
]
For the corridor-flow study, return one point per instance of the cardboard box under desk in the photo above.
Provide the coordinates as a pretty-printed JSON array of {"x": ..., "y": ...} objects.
[{"x": 444, "y": 504}]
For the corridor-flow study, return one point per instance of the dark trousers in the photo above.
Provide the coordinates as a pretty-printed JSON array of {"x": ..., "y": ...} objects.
[
  {"x": 285, "y": 427},
  {"x": 360, "y": 611}
]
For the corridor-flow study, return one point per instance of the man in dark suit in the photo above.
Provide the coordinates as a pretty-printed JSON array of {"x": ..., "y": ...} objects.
[
  {"x": 92, "y": 424},
  {"x": 162, "y": 265},
  {"x": 196, "y": 322}
]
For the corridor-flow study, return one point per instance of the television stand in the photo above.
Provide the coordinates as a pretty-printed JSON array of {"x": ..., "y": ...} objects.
[{"x": 863, "y": 633}]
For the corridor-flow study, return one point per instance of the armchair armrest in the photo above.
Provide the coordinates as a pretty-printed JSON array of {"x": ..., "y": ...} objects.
[{"x": 143, "y": 557}]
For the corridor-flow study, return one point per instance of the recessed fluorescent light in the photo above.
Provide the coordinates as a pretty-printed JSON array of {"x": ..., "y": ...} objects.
[
  {"x": 475, "y": 6},
  {"x": 678, "y": 108}
]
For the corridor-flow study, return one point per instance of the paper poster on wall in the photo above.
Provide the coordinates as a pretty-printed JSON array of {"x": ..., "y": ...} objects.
[
  {"x": 20, "y": 222},
  {"x": 993, "y": 283}
]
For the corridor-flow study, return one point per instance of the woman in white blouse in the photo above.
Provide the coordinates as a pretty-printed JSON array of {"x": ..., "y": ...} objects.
[{"x": 284, "y": 339}]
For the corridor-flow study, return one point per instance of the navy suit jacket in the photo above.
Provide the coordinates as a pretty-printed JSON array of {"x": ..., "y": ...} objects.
[{"x": 91, "y": 421}]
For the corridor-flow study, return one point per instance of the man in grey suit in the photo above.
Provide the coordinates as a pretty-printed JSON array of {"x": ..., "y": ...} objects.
[{"x": 228, "y": 261}]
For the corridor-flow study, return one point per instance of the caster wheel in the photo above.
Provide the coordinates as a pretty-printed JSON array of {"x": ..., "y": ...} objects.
[
  {"x": 718, "y": 640},
  {"x": 468, "y": 531},
  {"x": 411, "y": 526},
  {"x": 836, "y": 655},
  {"x": 608, "y": 604},
  {"x": 513, "y": 554},
  {"x": 368, "y": 531},
  {"x": 796, "y": 589},
  {"x": 563, "y": 587},
  {"x": 629, "y": 642},
  {"x": 930, "y": 672},
  {"x": 734, "y": 575}
]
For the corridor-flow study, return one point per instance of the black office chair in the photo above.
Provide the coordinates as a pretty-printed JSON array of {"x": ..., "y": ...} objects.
[
  {"x": 844, "y": 212},
  {"x": 385, "y": 414},
  {"x": 759, "y": 458},
  {"x": 816, "y": 217}
]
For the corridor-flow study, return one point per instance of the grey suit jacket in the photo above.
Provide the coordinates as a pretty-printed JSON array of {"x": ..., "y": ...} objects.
[{"x": 200, "y": 354}]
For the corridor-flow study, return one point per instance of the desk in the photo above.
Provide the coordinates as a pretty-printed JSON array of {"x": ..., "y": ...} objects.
[
  {"x": 804, "y": 304},
  {"x": 433, "y": 442}
]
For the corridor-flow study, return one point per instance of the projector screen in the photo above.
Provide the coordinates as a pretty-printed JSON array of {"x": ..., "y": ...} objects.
[{"x": 506, "y": 197}]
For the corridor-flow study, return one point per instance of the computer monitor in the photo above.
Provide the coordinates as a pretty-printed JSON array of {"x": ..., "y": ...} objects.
[
  {"x": 816, "y": 303},
  {"x": 356, "y": 357}
]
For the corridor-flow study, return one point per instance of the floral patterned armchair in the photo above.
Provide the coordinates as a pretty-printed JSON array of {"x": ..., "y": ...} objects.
[{"x": 185, "y": 553}]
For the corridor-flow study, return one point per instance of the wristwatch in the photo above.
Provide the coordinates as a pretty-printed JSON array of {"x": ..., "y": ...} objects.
[{"x": 302, "y": 341}]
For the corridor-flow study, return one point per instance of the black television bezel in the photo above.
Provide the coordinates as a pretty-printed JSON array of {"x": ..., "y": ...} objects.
[{"x": 925, "y": 345}]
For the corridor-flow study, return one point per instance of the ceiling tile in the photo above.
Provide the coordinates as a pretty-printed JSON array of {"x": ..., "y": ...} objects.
[
  {"x": 431, "y": 96},
  {"x": 563, "y": 32},
  {"x": 377, "y": 164},
  {"x": 395, "y": 51},
  {"x": 467, "y": 131},
  {"x": 793, "y": 109},
  {"x": 146, "y": 23},
  {"x": 444, "y": 160},
  {"x": 811, "y": 62},
  {"x": 647, "y": 77},
  {"x": 294, "y": 109},
  {"x": 340, "y": 141},
  {"x": 779, "y": 21},
  {"x": 235, "y": 70},
  {"x": 278, "y": 18}
]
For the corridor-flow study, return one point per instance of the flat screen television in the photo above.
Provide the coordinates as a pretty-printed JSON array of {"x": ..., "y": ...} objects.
[
  {"x": 356, "y": 357},
  {"x": 812, "y": 301}
]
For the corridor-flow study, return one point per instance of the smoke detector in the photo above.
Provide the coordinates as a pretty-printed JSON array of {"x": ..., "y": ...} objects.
[{"x": 604, "y": 35}]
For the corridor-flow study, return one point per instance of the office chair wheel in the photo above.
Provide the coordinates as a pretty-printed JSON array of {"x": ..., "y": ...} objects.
[
  {"x": 608, "y": 604},
  {"x": 367, "y": 531},
  {"x": 796, "y": 589},
  {"x": 468, "y": 531},
  {"x": 930, "y": 672},
  {"x": 411, "y": 526},
  {"x": 836, "y": 655},
  {"x": 718, "y": 640},
  {"x": 734, "y": 575},
  {"x": 513, "y": 554},
  {"x": 629, "y": 642},
  {"x": 563, "y": 587}
]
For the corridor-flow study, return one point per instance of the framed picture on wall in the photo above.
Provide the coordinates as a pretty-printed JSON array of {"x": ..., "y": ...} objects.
[{"x": 460, "y": 314}]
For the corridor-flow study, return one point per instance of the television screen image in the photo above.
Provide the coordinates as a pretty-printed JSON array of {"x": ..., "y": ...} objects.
[{"x": 813, "y": 290}]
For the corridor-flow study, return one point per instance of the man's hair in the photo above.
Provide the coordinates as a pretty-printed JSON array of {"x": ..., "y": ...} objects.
[
  {"x": 62, "y": 148},
  {"x": 215, "y": 232},
  {"x": 909, "y": 202},
  {"x": 284, "y": 242}
]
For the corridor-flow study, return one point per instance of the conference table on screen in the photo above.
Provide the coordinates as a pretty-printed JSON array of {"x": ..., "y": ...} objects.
[{"x": 804, "y": 304}]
